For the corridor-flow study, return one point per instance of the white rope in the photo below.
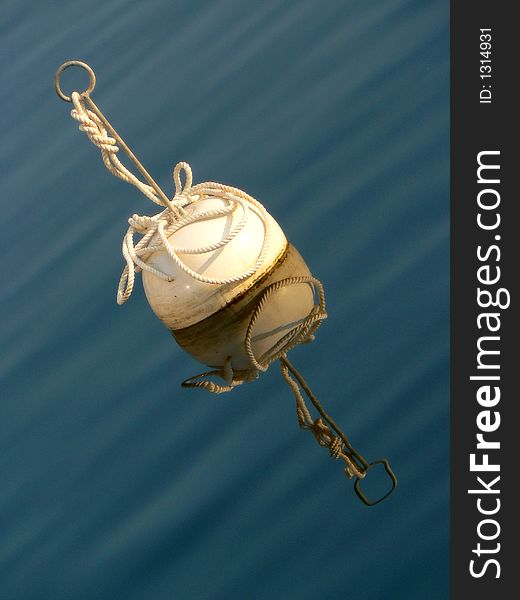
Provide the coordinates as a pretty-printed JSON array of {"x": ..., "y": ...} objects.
[
  {"x": 231, "y": 376},
  {"x": 157, "y": 229},
  {"x": 92, "y": 125}
]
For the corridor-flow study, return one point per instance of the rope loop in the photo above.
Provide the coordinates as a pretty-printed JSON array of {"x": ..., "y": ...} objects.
[{"x": 179, "y": 167}]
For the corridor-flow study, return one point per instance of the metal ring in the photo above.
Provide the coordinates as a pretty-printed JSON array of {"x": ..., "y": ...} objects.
[
  {"x": 390, "y": 474},
  {"x": 74, "y": 63}
]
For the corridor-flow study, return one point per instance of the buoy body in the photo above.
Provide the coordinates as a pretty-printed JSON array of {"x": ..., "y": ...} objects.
[{"x": 210, "y": 320}]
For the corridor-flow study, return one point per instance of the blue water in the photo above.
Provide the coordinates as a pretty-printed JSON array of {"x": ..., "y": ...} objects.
[{"x": 117, "y": 483}]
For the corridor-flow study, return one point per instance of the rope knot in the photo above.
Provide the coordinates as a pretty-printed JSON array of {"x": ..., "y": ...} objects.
[
  {"x": 322, "y": 433},
  {"x": 91, "y": 124},
  {"x": 94, "y": 127},
  {"x": 336, "y": 447},
  {"x": 141, "y": 223}
]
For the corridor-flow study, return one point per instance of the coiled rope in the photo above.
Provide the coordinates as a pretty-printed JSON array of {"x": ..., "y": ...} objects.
[{"x": 157, "y": 229}]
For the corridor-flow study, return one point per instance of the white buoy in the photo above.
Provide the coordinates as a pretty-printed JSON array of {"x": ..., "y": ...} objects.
[{"x": 186, "y": 300}]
